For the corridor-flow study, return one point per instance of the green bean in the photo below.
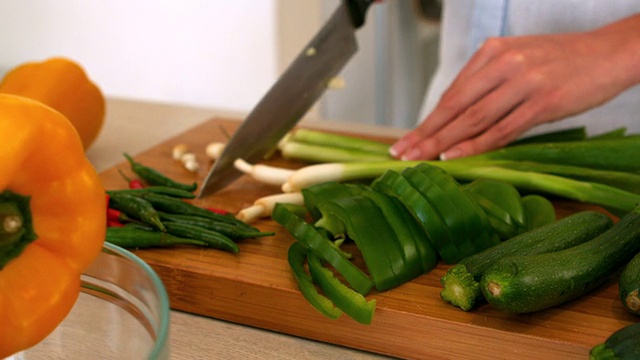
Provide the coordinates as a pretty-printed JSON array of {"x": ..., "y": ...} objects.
[
  {"x": 212, "y": 238},
  {"x": 133, "y": 237},
  {"x": 164, "y": 190},
  {"x": 154, "y": 177},
  {"x": 232, "y": 231},
  {"x": 136, "y": 207}
]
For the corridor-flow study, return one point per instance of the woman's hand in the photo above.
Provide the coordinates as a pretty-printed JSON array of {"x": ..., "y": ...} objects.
[{"x": 512, "y": 84}]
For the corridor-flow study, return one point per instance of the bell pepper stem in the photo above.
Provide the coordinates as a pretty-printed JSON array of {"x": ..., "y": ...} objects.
[{"x": 16, "y": 229}]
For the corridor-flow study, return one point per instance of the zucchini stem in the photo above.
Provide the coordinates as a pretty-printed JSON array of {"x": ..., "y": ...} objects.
[
  {"x": 633, "y": 301},
  {"x": 494, "y": 288}
]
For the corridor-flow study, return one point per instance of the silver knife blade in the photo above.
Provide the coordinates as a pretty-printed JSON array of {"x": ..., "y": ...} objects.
[{"x": 288, "y": 100}]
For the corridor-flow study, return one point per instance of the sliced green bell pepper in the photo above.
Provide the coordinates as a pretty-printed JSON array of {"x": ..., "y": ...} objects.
[
  {"x": 366, "y": 226},
  {"x": 538, "y": 211},
  {"x": 331, "y": 190},
  {"x": 297, "y": 255},
  {"x": 419, "y": 256},
  {"x": 394, "y": 184},
  {"x": 351, "y": 302},
  {"x": 321, "y": 246}
]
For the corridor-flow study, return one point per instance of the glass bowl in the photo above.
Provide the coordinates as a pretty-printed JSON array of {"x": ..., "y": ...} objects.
[{"x": 122, "y": 313}]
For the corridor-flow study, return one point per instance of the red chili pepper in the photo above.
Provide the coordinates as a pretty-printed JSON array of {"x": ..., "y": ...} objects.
[
  {"x": 113, "y": 214},
  {"x": 133, "y": 183},
  {"x": 113, "y": 223},
  {"x": 218, "y": 211},
  {"x": 136, "y": 184}
]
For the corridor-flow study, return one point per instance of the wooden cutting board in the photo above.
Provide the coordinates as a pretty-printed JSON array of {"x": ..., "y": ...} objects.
[{"x": 255, "y": 287}]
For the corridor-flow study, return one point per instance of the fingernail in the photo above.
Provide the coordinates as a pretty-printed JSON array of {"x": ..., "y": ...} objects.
[
  {"x": 398, "y": 148},
  {"x": 413, "y": 154},
  {"x": 451, "y": 154},
  {"x": 393, "y": 152}
]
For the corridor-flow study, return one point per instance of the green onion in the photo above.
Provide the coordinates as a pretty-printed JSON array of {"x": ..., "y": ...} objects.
[
  {"x": 615, "y": 133},
  {"x": 571, "y": 134},
  {"x": 584, "y": 191},
  {"x": 608, "y": 154},
  {"x": 263, "y": 173},
  {"x": 317, "y": 137},
  {"x": 600, "y": 170},
  {"x": 263, "y": 207},
  {"x": 324, "y": 153},
  {"x": 620, "y": 179}
]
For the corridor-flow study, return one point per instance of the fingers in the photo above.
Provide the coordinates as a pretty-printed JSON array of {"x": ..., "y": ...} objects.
[
  {"x": 469, "y": 106},
  {"x": 507, "y": 130},
  {"x": 457, "y": 100},
  {"x": 479, "y": 118}
]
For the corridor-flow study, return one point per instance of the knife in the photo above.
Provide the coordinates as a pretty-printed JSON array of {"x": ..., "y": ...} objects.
[{"x": 292, "y": 95}]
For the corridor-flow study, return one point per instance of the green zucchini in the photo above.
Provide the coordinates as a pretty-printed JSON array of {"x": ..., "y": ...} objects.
[
  {"x": 629, "y": 286},
  {"x": 622, "y": 345},
  {"x": 523, "y": 284},
  {"x": 461, "y": 282}
]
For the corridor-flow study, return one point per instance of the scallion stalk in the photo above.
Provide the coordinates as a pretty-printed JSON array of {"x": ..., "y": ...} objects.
[
  {"x": 585, "y": 191},
  {"x": 263, "y": 207},
  {"x": 263, "y": 173},
  {"x": 324, "y": 138},
  {"x": 323, "y": 153},
  {"x": 619, "y": 154},
  {"x": 620, "y": 179}
]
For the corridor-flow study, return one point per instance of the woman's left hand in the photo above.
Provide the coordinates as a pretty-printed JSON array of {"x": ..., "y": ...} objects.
[{"x": 512, "y": 84}]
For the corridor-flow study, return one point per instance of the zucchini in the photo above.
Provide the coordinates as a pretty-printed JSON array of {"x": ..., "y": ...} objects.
[
  {"x": 461, "y": 282},
  {"x": 523, "y": 284},
  {"x": 622, "y": 344},
  {"x": 629, "y": 286}
]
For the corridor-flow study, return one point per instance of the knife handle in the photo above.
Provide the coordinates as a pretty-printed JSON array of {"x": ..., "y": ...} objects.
[{"x": 358, "y": 10}]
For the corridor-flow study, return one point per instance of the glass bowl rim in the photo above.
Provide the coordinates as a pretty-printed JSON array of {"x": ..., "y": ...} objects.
[{"x": 162, "y": 337}]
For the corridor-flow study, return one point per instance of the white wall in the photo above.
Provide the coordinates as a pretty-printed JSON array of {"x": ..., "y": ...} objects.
[
  {"x": 213, "y": 53},
  {"x": 225, "y": 54}
]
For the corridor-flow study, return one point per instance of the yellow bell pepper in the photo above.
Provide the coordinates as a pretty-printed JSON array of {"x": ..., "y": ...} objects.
[
  {"x": 63, "y": 85},
  {"x": 43, "y": 166}
]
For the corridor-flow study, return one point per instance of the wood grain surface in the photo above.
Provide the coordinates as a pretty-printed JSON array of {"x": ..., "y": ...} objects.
[{"x": 255, "y": 287}]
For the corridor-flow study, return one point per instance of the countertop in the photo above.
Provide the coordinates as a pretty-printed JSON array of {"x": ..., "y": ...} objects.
[{"x": 133, "y": 126}]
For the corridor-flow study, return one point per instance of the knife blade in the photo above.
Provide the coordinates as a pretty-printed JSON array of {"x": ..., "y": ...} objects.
[{"x": 297, "y": 89}]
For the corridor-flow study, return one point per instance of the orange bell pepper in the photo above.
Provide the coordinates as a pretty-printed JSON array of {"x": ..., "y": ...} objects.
[
  {"x": 47, "y": 182},
  {"x": 64, "y": 85}
]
